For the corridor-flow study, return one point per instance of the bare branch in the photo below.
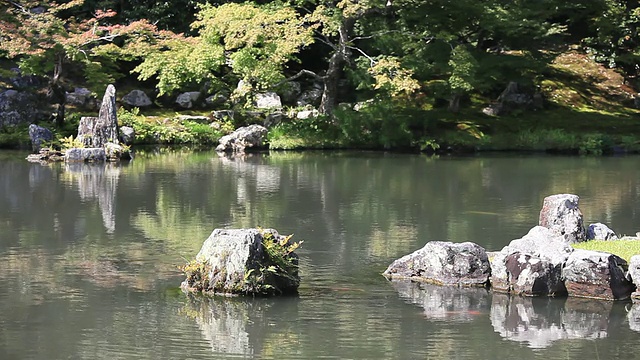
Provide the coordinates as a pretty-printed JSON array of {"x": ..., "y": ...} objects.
[
  {"x": 299, "y": 74},
  {"x": 372, "y": 61}
]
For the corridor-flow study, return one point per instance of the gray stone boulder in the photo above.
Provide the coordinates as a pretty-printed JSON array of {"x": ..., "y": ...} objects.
[
  {"x": 188, "y": 100},
  {"x": 127, "y": 135},
  {"x": 237, "y": 261},
  {"x": 39, "y": 136},
  {"x": 217, "y": 99},
  {"x": 307, "y": 114},
  {"x": 136, "y": 98},
  {"x": 310, "y": 97},
  {"x": 115, "y": 152},
  {"x": 444, "y": 263},
  {"x": 597, "y": 275},
  {"x": 251, "y": 136},
  {"x": 599, "y": 231},
  {"x": 514, "y": 97},
  {"x": 268, "y": 100},
  {"x": 560, "y": 214},
  {"x": 105, "y": 128},
  {"x": 85, "y": 130},
  {"x": 80, "y": 97},
  {"x": 17, "y": 107},
  {"x": 85, "y": 155},
  {"x": 633, "y": 275},
  {"x": 531, "y": 265}
]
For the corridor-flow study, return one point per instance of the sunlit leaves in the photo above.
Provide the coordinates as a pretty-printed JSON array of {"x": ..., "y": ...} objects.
[
  {"x": 186, "y": 60},
  {"x": 463, "y": 70},
  {"x": 391, "y": 76}
]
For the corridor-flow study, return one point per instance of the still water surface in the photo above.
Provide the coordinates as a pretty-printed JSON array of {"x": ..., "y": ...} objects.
[{"x": 88, "y": 256}]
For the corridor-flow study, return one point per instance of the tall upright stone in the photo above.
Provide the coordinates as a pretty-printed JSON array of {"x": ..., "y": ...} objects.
[
  {"x": 560, "y": 214},
  {"x": 105, "y": 129}
]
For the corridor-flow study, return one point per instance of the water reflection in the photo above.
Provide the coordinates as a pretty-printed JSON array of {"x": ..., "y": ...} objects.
[
  {"x": 445, "y": 302},
  {"x": 97, "y": 182},
  {"x": 539, "y": 322},
  {"x": 241, "y": 326},
  {"x": 536, "y": 322}
]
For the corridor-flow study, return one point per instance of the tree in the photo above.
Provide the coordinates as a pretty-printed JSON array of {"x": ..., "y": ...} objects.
[{"x": 43, "y": 41}]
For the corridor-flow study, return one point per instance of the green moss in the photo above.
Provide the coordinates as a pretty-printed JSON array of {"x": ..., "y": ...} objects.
[{"x": 623, "y": 248}]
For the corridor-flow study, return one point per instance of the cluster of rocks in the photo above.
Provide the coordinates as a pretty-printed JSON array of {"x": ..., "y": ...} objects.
[
  {"x": 541, "y": 263},
  {"x": 99, "y": 137}
]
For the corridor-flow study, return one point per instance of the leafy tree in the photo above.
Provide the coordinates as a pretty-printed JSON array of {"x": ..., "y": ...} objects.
[{"x": 44, "y": 42}]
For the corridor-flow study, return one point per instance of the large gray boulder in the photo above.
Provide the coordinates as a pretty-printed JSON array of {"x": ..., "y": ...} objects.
[
  {"x": 633, "y": 274},
  {"x": 235, "y": 261},
  {"x": 127, "y": 135},
  {"x": 39, "y": 136},
  {"x": 599, "y": 231},
  {"x": 531, "y": 265},
  {"x": 80, "y": 97},
  {"x": 268, "y": 100},
  {"x": 560, "y": 214},
  {"x": 136, "y": 98},
  {"x": 85, "y": 130},
  {"x": 597, "y": 275},
  {"x": 105, "y": 128},
  {"x": 251, "y": 136},
  {"x": 444, "y": 263},
  {"x": 188, "y": 100},
  {"x": 85, "y": 155},
  {"x": 17, "y": 107}
]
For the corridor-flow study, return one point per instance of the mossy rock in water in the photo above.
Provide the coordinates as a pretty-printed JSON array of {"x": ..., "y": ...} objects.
[{"x": 256, "y": 262}]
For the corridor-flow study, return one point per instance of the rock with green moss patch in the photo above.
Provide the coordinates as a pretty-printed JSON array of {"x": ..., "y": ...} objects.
[{"x": 254, "y": 262}]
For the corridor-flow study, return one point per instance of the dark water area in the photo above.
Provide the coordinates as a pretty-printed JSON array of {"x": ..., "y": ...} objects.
[{"x": 89, "y": 256}]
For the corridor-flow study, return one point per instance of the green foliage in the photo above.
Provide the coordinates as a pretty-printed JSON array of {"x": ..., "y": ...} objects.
[
  {"x": 197, "y": 275},
  {"x": 254, "y": 42},
  {"x": 170, "y": 130},
  {"x": 280, "y": 265},
  {"x": 14, "y": 137},
  {"x": 623, "y": 248},
  {"x": 70, "y": 142}
]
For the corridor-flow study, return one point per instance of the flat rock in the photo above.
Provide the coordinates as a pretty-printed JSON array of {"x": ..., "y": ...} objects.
[{"x": 444, "y": 263}]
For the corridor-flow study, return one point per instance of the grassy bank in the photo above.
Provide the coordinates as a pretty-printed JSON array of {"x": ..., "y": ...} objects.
[{"x": 623, "y": 248}]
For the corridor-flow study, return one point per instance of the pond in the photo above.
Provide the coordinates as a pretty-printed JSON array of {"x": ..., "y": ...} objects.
[{"x": 89, "y": 256}]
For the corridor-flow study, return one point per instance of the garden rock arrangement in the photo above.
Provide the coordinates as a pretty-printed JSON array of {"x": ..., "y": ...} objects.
[
  {"x": 541, "y": 263},
  {"x": 255, "y": 262},
  {"x": 251, "y": 136},
  {"x": 97, "y": 140}
]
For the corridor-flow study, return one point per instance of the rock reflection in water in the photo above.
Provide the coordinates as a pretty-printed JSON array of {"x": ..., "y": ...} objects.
[
  {"x": 541, "y": 321},
  {"x": 445, "y": 302},
  {"x": 633, "y": 316},
  {"x": 243, "y": 326},
  {"x": 99, "y": 182}
]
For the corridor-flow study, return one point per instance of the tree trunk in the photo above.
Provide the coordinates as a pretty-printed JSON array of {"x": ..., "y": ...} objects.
[
  {"x": 56, "y": 93},
  {"x": 334, "y": 69},
  {"x": 454, "y": 103}
]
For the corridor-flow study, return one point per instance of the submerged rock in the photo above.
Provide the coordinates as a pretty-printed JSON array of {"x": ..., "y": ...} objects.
[
  {"x": 444, "y": 263},
  {"x": 244, "y": 262},
  {"x": 85, "y": 155}
]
